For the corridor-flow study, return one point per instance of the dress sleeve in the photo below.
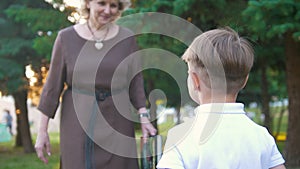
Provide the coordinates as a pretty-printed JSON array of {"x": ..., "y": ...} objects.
[
  {"x": 53, "y": 87},
  {"x": 136, "y": 89}
]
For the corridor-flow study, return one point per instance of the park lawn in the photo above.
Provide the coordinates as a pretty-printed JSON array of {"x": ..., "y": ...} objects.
[
  {"x": 15, "y": 158},
  {"x": 275, "y": 111}
]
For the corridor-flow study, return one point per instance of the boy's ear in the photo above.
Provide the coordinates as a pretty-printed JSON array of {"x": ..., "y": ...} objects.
[
  {"x": 246, "y": 80},
  {"x": 196, "y": 81}
]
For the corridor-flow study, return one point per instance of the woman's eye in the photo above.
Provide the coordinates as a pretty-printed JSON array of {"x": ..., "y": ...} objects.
[
  {"x": 113, "y": 5},
  {"x": 102, "y": 3}
]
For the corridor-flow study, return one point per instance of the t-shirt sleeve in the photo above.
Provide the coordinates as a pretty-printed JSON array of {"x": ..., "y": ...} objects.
[
  {"x": 171, "y": 158},
  {"x": 53, "y": 87},
  {"x": 276, "y": 157}
]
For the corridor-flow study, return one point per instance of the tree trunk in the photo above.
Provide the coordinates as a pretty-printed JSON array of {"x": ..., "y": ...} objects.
[
  {"x": 265, "y": 99},
  {"x": 23, "y": 135},
  {"x": 293, "y": 86},
  {"x": 18, "y": 137}
]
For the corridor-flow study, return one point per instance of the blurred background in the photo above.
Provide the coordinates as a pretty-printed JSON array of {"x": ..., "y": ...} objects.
[{"x": 28, "y": 29}]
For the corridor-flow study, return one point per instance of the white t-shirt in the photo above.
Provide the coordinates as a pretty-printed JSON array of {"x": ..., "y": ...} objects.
[{"x": 221, "y": 136}]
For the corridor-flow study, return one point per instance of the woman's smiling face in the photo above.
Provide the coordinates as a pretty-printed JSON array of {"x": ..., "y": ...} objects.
[{"x": 103, "y": 11}]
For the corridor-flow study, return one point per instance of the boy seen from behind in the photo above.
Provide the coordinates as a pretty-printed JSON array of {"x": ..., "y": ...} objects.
[{"x": 220, "y": 136}]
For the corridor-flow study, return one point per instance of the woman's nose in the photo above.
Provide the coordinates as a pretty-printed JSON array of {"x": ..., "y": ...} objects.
[{"x": 107, "y": 9}]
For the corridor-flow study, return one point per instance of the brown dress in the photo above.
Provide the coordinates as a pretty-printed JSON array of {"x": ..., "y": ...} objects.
[{"x": 95, "y": 133}]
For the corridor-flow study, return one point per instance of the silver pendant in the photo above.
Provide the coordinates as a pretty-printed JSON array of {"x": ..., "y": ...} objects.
[{"x": 98, "y": 45}]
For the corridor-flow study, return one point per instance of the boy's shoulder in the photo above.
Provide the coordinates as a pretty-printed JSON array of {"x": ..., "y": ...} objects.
[
  {"x": 206, "y": 123},
  {"x": 180, "y": 133},
  {"x": 182, "y": 127}
]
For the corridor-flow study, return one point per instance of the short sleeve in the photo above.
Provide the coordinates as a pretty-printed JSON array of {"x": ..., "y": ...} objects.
[
  {"x": 171, "y": 158},
  {"x": 276, "y": 157},
  {"x": 53, "y": 87}
]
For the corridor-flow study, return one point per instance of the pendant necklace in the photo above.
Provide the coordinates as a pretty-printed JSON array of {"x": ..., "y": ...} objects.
[{"x": 98, "y": 42}]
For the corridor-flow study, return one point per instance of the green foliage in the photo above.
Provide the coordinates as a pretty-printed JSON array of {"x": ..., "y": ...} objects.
[
  {"x": 9, "y": 76},
  {"x": 6, "y": 68},
  {"x": 267, "y": 22},
  {"x": 44, "y": 44},
  {"x": 271, "y": 56},
  {"x": 14, "y": 47},
  {"x": 207, "y": 15},
  {"x": 199, "y": 13},
  {"x": 218, "y": 13},
  {"x": 268, "y": 19},
  {"x": 157, "y": 79},
  {"x": 37, "y": 19},
  {"x": 20, "y": 43},
  {"x": 181, "y": 6}
]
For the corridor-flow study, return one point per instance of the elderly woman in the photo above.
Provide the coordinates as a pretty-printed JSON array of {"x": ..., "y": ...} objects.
[{"x": 96, "y": 129}]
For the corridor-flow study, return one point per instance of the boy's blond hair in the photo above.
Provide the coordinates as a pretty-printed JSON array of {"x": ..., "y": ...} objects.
[{"x": 219, "y": 55}]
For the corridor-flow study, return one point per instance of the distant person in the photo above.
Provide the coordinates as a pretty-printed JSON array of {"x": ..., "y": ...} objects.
[
  {"x": 8, "y": 120},
  {"x": 221, "y": 136}
]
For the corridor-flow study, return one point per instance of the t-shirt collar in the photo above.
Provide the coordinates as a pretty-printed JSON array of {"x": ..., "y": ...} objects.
[{"x": 224, "y": 108}]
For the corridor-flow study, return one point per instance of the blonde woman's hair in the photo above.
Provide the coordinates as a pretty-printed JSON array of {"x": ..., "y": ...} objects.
[
  {"x": 219, "y": 55},
  {"x": 85, "y": 12}
]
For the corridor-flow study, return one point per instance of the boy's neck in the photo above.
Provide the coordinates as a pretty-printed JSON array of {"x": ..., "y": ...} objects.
[{"x": 218, "y": 99}]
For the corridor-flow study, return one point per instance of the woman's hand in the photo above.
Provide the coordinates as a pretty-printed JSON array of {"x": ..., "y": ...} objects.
[
  {"x": 42, "y": 141},
  {"x": 43, "y": 144},
  {"x": 147, "y": 128}
]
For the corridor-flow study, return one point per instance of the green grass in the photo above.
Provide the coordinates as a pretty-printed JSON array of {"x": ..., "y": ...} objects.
[
  {"x": 274, "y": 111},
  {"x": 14, "y": 158}
]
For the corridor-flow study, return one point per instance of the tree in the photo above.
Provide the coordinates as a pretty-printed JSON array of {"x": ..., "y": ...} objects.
[
  {"x": 19, "y": 22},
  {"x": 280, "y": 19},
  {"x": 229, "y": 13},
  {"x": 153, "y": 78},
  {"x": 13, "y": 79},
  {"x": 268, "y": 70},
  {"x": 199, "y": 13}
]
